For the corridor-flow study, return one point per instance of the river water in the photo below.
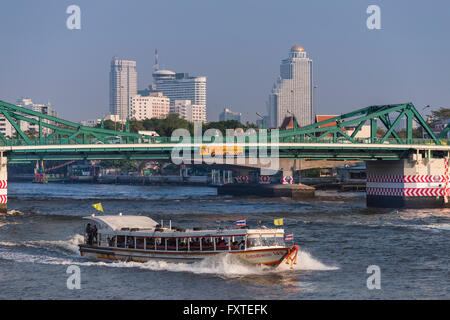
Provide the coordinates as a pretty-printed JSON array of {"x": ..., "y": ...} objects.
[{"x": 339, "y": 238}]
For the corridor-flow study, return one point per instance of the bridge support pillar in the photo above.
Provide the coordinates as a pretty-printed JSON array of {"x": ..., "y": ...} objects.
[
  {"x": 287, "y": 167},
  {"x": 3, "y": 184},
  {"x": 409, "y": 183}
]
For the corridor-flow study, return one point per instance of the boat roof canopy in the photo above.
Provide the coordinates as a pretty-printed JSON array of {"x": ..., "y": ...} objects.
[{"x": 119, "y": 222}]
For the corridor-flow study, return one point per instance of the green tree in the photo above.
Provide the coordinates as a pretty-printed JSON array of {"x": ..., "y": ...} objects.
[
  {"x": 441, "y": 114},
  {"x": 123, "y": 165}
]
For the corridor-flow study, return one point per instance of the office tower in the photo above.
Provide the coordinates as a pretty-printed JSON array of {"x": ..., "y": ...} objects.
[
  {"x": 156, "y": 105},
  {"x": 293, "y": 91},
  {"x": 180, "y": 86},
  {"x": 122, "y": 86},
  {"x": 227, "y": 114}
]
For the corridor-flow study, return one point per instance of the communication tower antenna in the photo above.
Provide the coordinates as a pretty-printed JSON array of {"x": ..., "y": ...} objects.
[{"x": 156, "y": 66}]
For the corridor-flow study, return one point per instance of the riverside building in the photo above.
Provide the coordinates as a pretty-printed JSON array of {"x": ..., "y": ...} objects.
[{"x": 156, "y": 105}]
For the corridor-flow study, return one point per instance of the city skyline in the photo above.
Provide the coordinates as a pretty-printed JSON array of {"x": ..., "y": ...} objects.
[{"x": 355, "y": 67}]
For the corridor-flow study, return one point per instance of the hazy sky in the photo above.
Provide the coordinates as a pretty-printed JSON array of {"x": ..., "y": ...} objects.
[{"x": 238, "y": 45}]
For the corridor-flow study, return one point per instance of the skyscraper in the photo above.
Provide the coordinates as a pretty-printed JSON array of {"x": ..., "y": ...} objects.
[
  {"x": 180, "y": 86},
  {"x": 122, "y": 86},
  {"x": 293, "y": 91}
]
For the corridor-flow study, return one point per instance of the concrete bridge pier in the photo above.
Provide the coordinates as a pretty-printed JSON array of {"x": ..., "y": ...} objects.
[
  {"x": 415, "y": 182},
  {"x": 3, "y": 184}
]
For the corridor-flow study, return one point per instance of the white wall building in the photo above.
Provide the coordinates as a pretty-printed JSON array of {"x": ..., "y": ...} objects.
[
  {"x": 293, "y": 91},
  {"x": 188, "y": 111},
  {"x": 95, "y": 122},
  {"x": 147, "y": 107},
  {"x": 122, "y": 86},
  {"x": 8, "y": 130}
]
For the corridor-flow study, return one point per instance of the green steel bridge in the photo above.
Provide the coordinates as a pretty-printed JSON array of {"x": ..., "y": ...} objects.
[{"x": 58, "y": 139}]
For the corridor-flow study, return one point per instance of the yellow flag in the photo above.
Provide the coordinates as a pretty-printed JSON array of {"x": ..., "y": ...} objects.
[
  {"x": 278, "y": 222},
  {"x": 98, "y": 206}
]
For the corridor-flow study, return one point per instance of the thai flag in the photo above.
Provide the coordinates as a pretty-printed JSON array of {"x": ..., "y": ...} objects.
[
  {"x": 289, "y": 237},
  {"x": 241, "y": 223}
]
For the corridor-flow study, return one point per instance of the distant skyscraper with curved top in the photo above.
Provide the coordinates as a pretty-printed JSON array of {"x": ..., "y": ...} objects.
[{"x": 293, "y": 91}]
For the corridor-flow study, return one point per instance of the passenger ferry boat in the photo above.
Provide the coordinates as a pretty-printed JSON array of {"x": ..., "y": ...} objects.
[{"x": 140, "y": 239}]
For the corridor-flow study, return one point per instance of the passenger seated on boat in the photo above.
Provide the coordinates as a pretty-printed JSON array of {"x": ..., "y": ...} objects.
[
  {"x": 207, "y": 244},
  {"x": 121, "y": 241},
  {"x": 195, "y": 244},
  {"x": 111, "y": 241},
  {"x": 130, "y": 242},
  {"x": 235, "y": 245},
  {"x": 242, "y": 245},
  {"x": 182, "y": 245},
  {"x": 221, "y": 245},
  {"x": 150, "y": 243}
]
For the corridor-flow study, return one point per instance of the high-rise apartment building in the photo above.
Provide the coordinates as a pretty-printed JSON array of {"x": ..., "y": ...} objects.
[
  {"x": 156, "y": 105},
  {"x": 180, "y": 86},
  {"x": 191, "y": 112},
  {"x": 293, "y": 91},
  {"x": 122, "y": 86}
]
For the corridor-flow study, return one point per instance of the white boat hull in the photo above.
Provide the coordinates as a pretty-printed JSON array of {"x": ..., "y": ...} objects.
[{"x": 267, "y": 256}]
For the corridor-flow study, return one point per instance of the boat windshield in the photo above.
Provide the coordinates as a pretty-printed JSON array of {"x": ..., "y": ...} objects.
[{"x": 265, "y": 241}]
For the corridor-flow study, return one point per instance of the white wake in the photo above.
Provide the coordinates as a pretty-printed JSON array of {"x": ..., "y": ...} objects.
[{"x": 224, "y": 264}]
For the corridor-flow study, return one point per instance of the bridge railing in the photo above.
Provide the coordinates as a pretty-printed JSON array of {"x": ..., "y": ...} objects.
[{"x": 162, "y": 140}]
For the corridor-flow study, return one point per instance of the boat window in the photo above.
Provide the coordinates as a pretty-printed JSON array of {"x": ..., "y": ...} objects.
[
  {"x": 279, "y": 241},
  {"x": 139, "y": 242},
  {"x": 171, "y": 244},
  {"x": 121, "y": 241},
  {"x": 131, "y": 242},
  {"x": 182, "y": 244},
  {"x": 161, "y": 243},
  {"x": 111, "y": 241},
  {"x": 222, "y": 243},
  {"x": 254, "y": 242},
  {"x": 268, "y": 240},
  {"x": 238, "y": 243},
  {"x": 101, "y": 239},
  {"x": 195, "y": 244},
  {"x": 150, "y": 242},
  {"x": 207, "y": 244}
]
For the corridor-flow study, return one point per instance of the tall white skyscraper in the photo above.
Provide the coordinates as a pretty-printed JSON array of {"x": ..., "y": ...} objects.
[
  {"x": 122, "y": 86},
  {"x": 293, "y": 91}
]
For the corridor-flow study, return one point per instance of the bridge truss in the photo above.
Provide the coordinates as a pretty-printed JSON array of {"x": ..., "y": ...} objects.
[{"x": 336, "y": 138}]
